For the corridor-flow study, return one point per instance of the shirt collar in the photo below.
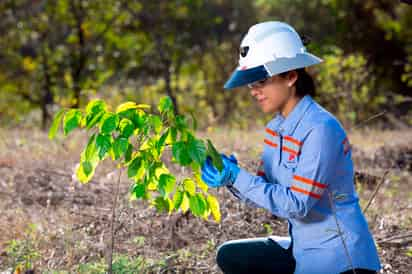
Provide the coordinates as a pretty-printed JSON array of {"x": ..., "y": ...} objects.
[{"x": 286, "y": 126}]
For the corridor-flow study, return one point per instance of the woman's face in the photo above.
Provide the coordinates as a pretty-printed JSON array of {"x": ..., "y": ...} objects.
[{"x": 273, "y": 93}]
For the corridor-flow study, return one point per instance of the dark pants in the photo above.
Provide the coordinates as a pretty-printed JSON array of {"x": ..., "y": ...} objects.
[{"x": 260, "y": 255}]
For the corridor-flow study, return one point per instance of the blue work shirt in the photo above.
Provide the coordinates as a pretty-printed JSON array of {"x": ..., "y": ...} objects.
[{"x": 307, "y": 177}]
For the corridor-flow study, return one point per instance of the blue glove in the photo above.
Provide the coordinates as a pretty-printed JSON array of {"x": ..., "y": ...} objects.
[{"x": 213, "y": 178}]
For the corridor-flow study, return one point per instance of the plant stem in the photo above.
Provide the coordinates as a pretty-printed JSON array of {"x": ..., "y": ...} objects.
[
  {"x": 332, "y": 206},
  {"x": 112, "y": 223}
]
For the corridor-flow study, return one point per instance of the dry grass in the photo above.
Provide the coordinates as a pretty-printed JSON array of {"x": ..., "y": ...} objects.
[{"x": 72, "y": 220}]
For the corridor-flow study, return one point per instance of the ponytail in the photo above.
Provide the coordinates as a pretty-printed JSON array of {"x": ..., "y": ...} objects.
[{"x": 304, "y": 84}]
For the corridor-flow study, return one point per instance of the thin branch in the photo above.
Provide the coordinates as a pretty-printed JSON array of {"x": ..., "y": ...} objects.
[
  {"x": 112, "y": 222},
  {"x": 362, "y": 123},
  {"x": 332, "y": 206},
  {"x": 375, "y": 192}
]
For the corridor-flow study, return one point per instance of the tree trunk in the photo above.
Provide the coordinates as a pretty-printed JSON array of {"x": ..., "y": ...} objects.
[
  {"x": 47, "y": 96},
  {"x": 169, "y": 90},
  {"x": 79, "y": 62}
]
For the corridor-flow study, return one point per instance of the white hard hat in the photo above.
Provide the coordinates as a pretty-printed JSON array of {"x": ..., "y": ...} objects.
[{"x": 268, "y": 49}]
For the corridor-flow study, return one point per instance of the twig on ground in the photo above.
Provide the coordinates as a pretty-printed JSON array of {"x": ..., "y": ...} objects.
[
  {"x": 375, "y": 191},
  {"x": 398, "y": 240}
]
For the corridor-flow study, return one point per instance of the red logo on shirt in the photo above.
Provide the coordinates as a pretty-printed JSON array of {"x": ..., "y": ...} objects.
[{"x": 291, "y": 157}]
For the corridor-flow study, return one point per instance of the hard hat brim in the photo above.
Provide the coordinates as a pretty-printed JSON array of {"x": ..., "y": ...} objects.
[
  {"x": 283, "y": 64},
  {"x": 241, "y": 77}
]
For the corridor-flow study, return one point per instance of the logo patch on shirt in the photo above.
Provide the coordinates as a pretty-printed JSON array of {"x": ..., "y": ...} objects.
[{"x": 346, "y": 146}]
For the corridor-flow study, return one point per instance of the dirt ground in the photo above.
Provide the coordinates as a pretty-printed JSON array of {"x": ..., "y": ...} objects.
[{"x": 72, "y": 221}]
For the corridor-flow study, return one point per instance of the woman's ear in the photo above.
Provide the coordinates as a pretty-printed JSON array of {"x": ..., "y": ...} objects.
[{"x": 292, "y": 77}]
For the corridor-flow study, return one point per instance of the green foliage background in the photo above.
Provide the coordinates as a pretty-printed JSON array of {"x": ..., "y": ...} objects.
[{"x": 64, "y": 53}]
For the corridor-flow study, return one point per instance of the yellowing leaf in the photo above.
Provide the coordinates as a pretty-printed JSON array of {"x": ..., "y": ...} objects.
[
  {"x": 185, "y": 202},
  {"x": 82, "y": 175},
  {"x": 214, "y": 207},
  {"x": 202, "y": 185},
  {"x": 56, "y": 123},
  {"x": 131, "y": 105},
  {"x": 189, "y": 186},
  {"x": 152, "y": 185}
]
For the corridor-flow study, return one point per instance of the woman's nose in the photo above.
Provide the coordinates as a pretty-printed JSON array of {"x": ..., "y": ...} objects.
[{"x": 254, "y": 92}]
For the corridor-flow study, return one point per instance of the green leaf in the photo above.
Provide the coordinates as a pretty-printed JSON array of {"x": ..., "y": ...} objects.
[
  {"x": 90, "y": 152},
  {"x": 126, "y": 127},
  {"x": 71, "y": 120},
  {"x": 177, "y": 199},
  {"x": 109, "y": 123},
  {"x": 87, "y": 168},
  {"x": 139, "y": 190},
  {"x": 128, "y": 154},
  {"x": 162, "y": 141},
  {"x": 95, "y": 106},
  {"x": 197, "y": 150},
  {"x": 136, "y": 168},
  {"x": 181, "y": 154},
  {"x": 95, "y": 110},
  {"x": 162, "y": 204},
  {"x": 189, "y": 186},
  {"x": 166, "y": 184},
  {"x": 197, "y": 204},
  {"x": 56, "y": 122},
  {"x": 181, "y": 123},
  {"x": 214, "y": 207},
  {"x": 103, "y": 143},
  {"x": 93, "y": 119},
  {"x": 156, "y": 122},
  {"x": 165, "y": 105},
  {"x": 120, "y": 146},
  {"x": 214, "y": 154}
]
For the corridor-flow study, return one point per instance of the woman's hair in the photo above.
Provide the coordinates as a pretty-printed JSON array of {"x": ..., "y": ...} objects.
[{"x": 304, "y": 84}]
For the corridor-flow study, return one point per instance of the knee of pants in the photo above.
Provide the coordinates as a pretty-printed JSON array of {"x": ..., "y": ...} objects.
[{"x": 223, "y": 254}]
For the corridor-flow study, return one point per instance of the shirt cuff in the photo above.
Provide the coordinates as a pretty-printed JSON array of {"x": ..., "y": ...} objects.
[{"x": 242, "y": 181}]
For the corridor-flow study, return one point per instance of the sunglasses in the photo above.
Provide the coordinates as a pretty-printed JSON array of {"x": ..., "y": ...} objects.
[{"x": 259, "y": 83}]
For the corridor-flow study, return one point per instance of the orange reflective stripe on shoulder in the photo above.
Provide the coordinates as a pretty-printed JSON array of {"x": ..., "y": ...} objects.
[
  {"x": 290, "y": 150},
  {"x": 271, "y": 132},
  {"x": 293, "y": 140}
]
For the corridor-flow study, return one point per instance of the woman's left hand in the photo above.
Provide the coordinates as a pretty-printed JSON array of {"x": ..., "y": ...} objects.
[{"x": 215, "y": 178}]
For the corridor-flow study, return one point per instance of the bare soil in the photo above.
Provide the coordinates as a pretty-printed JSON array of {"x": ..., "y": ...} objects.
[{"x": 72, "y": 220}]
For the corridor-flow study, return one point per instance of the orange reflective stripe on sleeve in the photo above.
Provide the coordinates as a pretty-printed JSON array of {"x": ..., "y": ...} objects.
[
  {"x": 270, "y": 143},
  {"x": 297, "y": 189},
  {"x": 308, "y": 181},
  {"x": 308, "y": 186}
]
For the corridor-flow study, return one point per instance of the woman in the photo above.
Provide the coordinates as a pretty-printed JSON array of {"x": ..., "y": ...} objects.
[{"x": 306, "y": 173}]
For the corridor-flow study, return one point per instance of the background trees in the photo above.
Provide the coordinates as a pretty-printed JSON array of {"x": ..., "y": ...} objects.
[{"x": 62, "y": 53}]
